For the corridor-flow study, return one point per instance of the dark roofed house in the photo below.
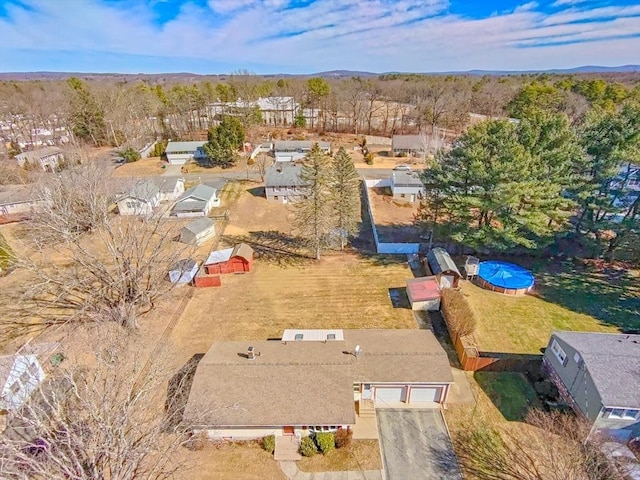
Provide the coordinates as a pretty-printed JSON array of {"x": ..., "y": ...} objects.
[
  {"x": 598, "y": 374},
  {"x": 443, "y": 267},
  {"x": 283, "y": 183},
  {"x": 310, "y": 380}
]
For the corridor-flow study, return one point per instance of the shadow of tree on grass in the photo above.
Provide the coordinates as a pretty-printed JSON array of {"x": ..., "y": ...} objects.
[{"x": 275, "y": 247}]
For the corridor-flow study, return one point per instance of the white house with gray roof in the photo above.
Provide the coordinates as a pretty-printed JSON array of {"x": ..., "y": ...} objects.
[
  {"x": 294, "y": 150},
  {"x": 47, "y": 159},
  {"x": 406, "y": 185},
  {"x": 179, "y": 153},
  {"x": 283, "y": 183},
  {"x": 407, "y": 145},
  {"x": 141, "y": 199},
  {"x": 598, "y": 374},
  {"x": 196, "y": 202}
]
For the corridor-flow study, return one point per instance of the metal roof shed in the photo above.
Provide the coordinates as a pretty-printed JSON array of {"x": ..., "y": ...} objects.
[{"x": 443, "y": 266}]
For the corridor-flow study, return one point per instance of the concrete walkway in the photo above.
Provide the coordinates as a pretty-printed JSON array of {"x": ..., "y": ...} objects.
[{"x": 292, "y": 472}]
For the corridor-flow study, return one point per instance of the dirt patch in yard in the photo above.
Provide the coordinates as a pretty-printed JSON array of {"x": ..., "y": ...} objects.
[
  {"x": 393, "y": 218},
  {"x": 360, "y": 455}
]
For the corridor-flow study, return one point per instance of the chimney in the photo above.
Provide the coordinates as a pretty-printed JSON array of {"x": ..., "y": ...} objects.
[{"x": 251, "y": 353}]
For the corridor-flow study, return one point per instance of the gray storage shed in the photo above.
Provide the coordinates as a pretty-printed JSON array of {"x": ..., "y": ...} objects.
[
  {"x": 197, "y": 231},
  {"x": 443, "y": 267}
]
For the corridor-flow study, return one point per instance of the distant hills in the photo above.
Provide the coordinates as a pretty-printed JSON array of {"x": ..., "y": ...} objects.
[{"x": 185, "y": 76}]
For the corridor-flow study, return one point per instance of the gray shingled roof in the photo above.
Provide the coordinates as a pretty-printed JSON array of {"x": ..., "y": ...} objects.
[
  {"x": 284, "y": 174},
  {"x": 199, "y": 225},
  {"x": 613, "y": 361},
  {"x": 440, "y": 261},
  {"x": 407, "y": 142},
  {"x": 307, "y": 383},
  {"x": 406, "y": 179},
  {"x": 34, "y": 155},
  {"x": 175, "y": 147},
  {"x": 200, "y": 192},
  {"x": 293, "y": 145}
]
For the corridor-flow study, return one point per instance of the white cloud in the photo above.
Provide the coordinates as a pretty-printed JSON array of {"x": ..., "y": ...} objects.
[{"x": 376, "y": 35}]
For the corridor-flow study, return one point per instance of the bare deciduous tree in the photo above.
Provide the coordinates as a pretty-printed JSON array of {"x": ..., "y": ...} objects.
[
  {"x": 558, "y": 449},
  {"x": 93, "y": 423},
  {"x": 95, "y": 266}
]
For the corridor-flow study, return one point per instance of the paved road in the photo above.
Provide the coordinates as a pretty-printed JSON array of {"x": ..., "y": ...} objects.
[{"x": 415, "y": 445}]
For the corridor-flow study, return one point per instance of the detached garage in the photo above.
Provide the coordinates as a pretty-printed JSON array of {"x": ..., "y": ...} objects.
[{"x": 198, "y": 231}]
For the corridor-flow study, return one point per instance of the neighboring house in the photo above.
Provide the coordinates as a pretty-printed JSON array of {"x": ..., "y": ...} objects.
[
  {"x": 196, "y": 202},
  {"x": 171, "y": 189},
  {"x": 183, "y": 271},
  {"x": 624, "y": 189},
  {"x": 406, "y": 186},
  {"x": 293, "y": 150},
  {"x": 238, "y": 259},
  {"x": 283, "y": 183},
  {"x": 424, "y": 293},
  {"x": 198, "y": 231},
  {"x": 313, "y": 380},
  {"x": 143, "y": 197},
  {"x": 18, "y": 200},
  {"x": 179, "y": 153},
  {"x": 20, "y": 376},
  {"x": 598, "y": 374},
  {"x": 47, "y": 159},
  {"x": 411, "y": 145},
  {"x": 443, "y": 267},
  {"x": 278, "y": 110}
]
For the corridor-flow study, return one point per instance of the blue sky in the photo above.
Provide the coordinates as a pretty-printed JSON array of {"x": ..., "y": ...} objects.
[{"x": 305, "y": 36}]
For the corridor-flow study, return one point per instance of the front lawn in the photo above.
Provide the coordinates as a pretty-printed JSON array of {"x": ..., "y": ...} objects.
[
  {"x": 360, "y": 455},
  {"x": 567, "y": 297}
]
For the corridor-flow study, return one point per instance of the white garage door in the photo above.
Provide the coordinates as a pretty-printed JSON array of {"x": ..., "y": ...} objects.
[
  {"x": 424, "y": 394},
  {"x": 389, "y": 394}
]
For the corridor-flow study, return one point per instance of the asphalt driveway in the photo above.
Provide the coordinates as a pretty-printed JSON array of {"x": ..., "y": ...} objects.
[{"x": 415, "y": 445}]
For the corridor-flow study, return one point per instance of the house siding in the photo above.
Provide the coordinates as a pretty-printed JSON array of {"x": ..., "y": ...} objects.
[
  {"x": 407, "y": 192},
  {"x": 573, "y": 380},
  {"x": 21, "y": 365},
  {"x": 132, "y": 206},
  {"x": 280, "y": 193}
]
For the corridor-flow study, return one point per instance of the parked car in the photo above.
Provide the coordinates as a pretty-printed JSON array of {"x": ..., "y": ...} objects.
[{"x": 402, "y": 168}]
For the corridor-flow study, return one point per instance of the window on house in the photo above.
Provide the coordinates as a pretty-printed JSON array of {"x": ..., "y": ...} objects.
[
  {"x": 558, "y": 352},
  {"x": 298, "y": 336},
  {"x": 33, "y": 369},
  {"x": 24, "y": 377},
  {"x": 622, "y": 413},
  {"x": 15, "y": 388},
  {"x": 577, "y": 358},
  {"x": 402, "y": 195},
  {"x": 331, "y": 336}
]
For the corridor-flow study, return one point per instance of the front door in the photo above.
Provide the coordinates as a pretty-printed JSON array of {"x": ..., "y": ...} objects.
[
  {"x": 285, "y": 200},
  {"x": 288, "y": 430}
]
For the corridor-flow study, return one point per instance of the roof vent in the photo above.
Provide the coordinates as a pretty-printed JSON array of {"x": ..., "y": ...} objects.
[{"x": 357, "y": 351}]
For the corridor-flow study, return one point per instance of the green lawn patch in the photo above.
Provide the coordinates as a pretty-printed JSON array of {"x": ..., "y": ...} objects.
[
  {"x": 510, "y": 392},
  {"x": 566, "y": 297}
]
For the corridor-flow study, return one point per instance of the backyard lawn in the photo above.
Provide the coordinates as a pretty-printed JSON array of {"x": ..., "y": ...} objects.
[
  {"x": 567, "y": 298},
  {"x": 510, "y": 392}
]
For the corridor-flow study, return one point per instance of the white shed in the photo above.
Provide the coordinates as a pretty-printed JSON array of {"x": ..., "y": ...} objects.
[
  {"x": 424, "y": 293},
  {"x": 183, "y": 271},
  {"x": 196, "y": 232}
]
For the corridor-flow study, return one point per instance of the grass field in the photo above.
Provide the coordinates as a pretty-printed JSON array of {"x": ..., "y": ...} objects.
[
  {"x": 360, "y": 455},
  {"x": 340, "y": 291},
  {"x": 567, "y": 298},
  {"x": 510, "y": 393}
]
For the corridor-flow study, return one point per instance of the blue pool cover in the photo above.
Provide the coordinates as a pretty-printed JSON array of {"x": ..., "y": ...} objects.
[{"x": 505, "y": 275}]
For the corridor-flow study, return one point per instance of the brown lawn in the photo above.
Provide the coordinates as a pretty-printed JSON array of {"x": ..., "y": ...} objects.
[
  {"x": 141, "y": 168},
  {"x": 393, "y": 218},
  {"x": 229, "y": 461},
  {"x": 360, "y": 455},
  {"x": 339, "y": 291}
]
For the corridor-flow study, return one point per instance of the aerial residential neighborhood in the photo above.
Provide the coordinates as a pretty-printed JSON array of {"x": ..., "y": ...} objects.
[{"x": 310, "y": 240}]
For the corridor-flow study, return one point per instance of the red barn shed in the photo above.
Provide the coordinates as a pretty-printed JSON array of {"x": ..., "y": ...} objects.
[{"x": 230, "y": 260}]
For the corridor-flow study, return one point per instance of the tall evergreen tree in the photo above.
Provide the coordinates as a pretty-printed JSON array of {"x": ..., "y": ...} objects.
[
  {"x": 224, "y": 141},
  {"x": 500, "y": 186},
  {"x": 608, "y": 204},
  {"x": 87, "y": 116},
  {"x": 314, "y": 219},
  {"x": 345, "y": 186}
]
